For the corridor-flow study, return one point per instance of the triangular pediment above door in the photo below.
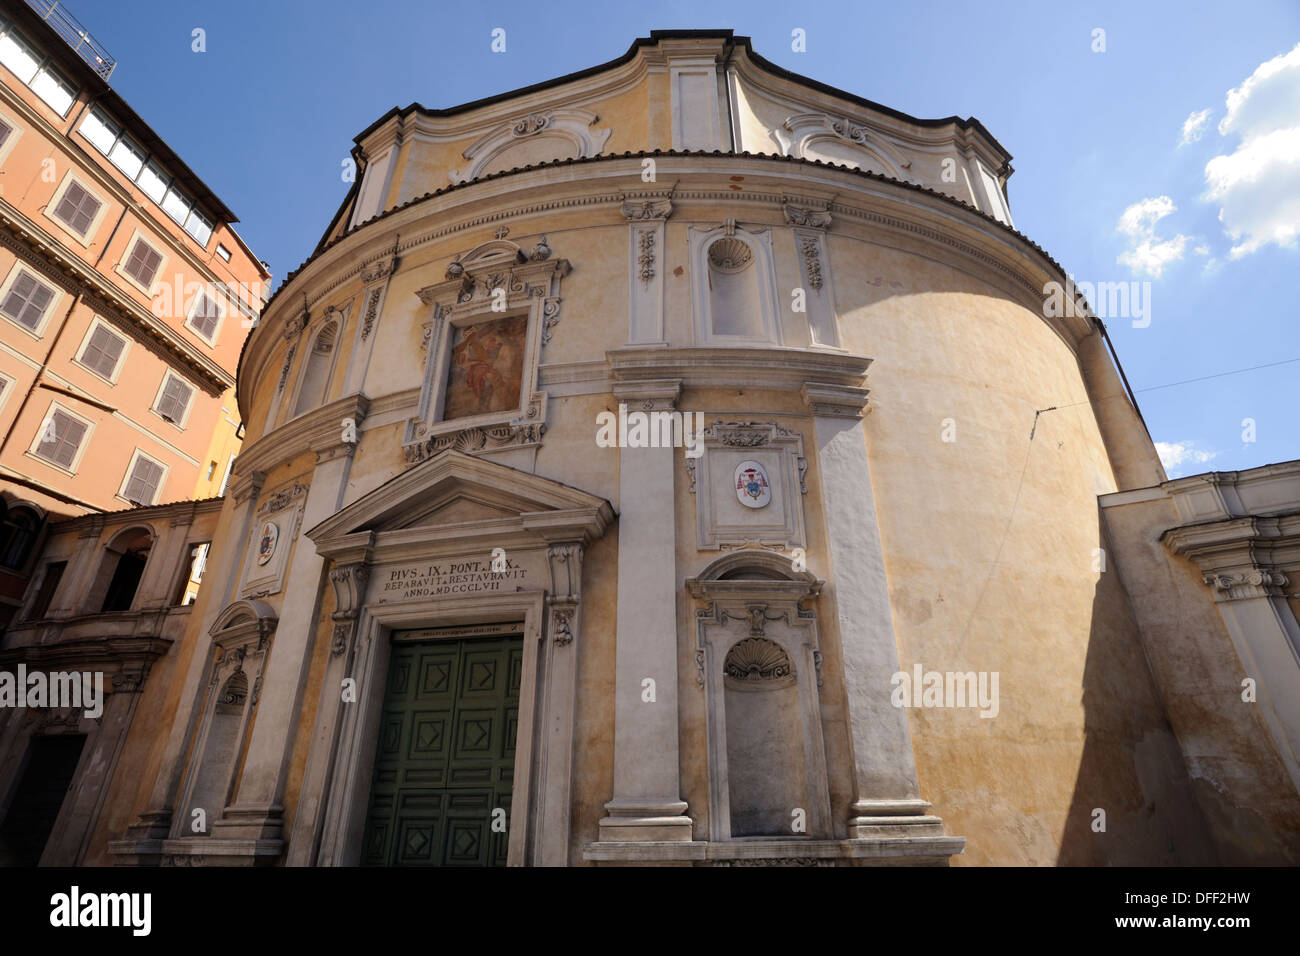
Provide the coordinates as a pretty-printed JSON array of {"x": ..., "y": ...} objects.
[{"x": 457, "y": 496}]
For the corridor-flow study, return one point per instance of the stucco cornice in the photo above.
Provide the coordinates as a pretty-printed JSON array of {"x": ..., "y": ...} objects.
[
  {"x": 320, "y": 430},
  {"x": 30, "y": 242},
  {"x": 709, "y": 367},
  {"x": 177, "y": 512},
  {"x": 771, "y": 181}
]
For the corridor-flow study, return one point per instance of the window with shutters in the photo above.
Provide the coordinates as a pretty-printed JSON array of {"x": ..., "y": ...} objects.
[
  {"x": 144, "y": 480},
  {"x": 205, "y": 316},
  {"x": 76, "y": 208},
  {"x": 173, "y": 401},
  {"x": 142, "y": 263},
  {"x": 62, "y": 438},
  {"x": 10, "y": 132},
  {"x": 27, "y": 301},
  {"x": 102, "y": 351}
]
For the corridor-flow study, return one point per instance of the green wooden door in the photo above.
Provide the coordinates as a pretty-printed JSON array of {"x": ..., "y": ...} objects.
[{"x": 445, "y": 761}]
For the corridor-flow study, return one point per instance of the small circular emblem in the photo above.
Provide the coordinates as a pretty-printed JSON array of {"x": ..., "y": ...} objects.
[
  {"x": 752, "y": 486},
  {"x": 266, "y": 542}
]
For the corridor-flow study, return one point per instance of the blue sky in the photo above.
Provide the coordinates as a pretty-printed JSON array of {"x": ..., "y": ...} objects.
[{"x": 266, "y": 115}]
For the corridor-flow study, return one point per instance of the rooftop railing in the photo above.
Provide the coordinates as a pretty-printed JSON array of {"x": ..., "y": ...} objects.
[{"x": 76, "y": 36}]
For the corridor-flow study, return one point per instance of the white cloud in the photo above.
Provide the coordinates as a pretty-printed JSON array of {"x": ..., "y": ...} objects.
[
  {"x": 1148, "y": 254},
  {"x": 1257, "y": 186},
  {"x": 1174, "y": 454},
  {"x": 1194, "y": 127}
]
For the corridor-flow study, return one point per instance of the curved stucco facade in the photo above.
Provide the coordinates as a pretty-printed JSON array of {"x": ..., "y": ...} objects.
[{"x": 932, "y": 440}]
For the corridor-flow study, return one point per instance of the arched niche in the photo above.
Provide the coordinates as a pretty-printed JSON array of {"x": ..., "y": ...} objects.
[
  {"x": 759, "y": 666},
  {"x": 317, "y": 367},
  {"x": 734, "y": 286},
  {"x": 241, "y": 636}
]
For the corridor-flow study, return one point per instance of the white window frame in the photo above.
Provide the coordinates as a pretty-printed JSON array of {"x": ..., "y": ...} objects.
[
  {"x": 162, "y": 387},
  {"x": 32, "y": 450},
  {"x": 193, "y": 308},
  {"x": 222, "y": 252},
  {"x": 7, "y": 383},
  {"x": 95, "y": 323},
  {"x": 225, "y": 479},
  {"x": 8, "y": 146},
  {"x": 139, "y": 236},
  {"x": 48, "y": 212},
  {"x": 130, "y": 470},
  {"x": 16, "y": 270}
]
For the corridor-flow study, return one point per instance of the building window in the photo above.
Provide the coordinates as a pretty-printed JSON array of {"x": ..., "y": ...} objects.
[
  {"x": 205, "y": 317},
  {"x": 34, "y": 68},
  {"x": 154, "y": 181},
  {"x": 173, "y": 400},
  {"x": 50, "y": 86},
  {"x": 143, "y": 263},
  {"x": 100, "y": 130},
  {"x": 61, "y": 439},
  {"x": 199, "y": 227},
  {"x": 225, "y": 479},
  {"x": 45, "y": 595},
  {"x": 212, "y": 470},
  {"x": 127, "y": 555},
  {"x": 144, "y": 480},
  {"x": 17, "y": 535},
  {"x": 188, "y": 591},
  {"x": 77, "y": 209},
  {"x": 102, "y": 351},
  {"x": 27, "y": 300},
  {"x": 222, "y": 251},
  {"x": 10, "y": 132}
]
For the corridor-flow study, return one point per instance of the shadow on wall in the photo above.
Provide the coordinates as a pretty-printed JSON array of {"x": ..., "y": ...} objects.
[{"x": 1133, "y": 803}]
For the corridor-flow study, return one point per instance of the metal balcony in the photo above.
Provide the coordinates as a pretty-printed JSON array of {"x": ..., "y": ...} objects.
[{"x": 76, "y": 36}]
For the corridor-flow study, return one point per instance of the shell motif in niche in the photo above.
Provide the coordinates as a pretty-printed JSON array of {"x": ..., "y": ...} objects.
[
  {"x": 730, "y": 255},
  {"x": 757, "y": 659}
]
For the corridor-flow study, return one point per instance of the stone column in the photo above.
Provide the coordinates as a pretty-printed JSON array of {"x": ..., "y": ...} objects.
[
  {"x": 145, "y": 836},
  {"x": 559, "y": 701},
  {"x": 258, "y": 813},
  {"x": 1267, "y": 637},
  {"x": 348, "y": 579},
  {"x": 647, "y": 803},
  {"x": 886, "y": 800}
]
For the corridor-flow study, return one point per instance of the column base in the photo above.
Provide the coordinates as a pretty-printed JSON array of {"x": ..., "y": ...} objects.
[
  {"x": 646, "y": 822},
  {"x": 875, "y": 819},
  {"x": 250, "y": 823}
]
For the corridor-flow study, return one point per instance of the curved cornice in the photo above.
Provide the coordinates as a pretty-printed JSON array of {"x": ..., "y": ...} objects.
[
  {"x": 854, "y": 195},
  {"x": 729, "y": 42}
]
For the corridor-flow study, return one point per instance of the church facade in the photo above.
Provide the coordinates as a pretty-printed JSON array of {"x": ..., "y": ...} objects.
[{"x": 677, "y": 463}]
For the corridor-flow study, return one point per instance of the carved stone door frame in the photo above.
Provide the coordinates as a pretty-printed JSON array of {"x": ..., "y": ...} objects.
[
  {"x": 544, "y": 527},
  {"x": 349, "y": 784}
]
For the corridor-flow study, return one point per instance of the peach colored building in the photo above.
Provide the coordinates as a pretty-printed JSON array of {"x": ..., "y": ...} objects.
[{"x": 125, "y": 296}]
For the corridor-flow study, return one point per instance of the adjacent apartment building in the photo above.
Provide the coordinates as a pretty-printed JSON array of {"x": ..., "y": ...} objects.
[{"x": 125, "y": 296}]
